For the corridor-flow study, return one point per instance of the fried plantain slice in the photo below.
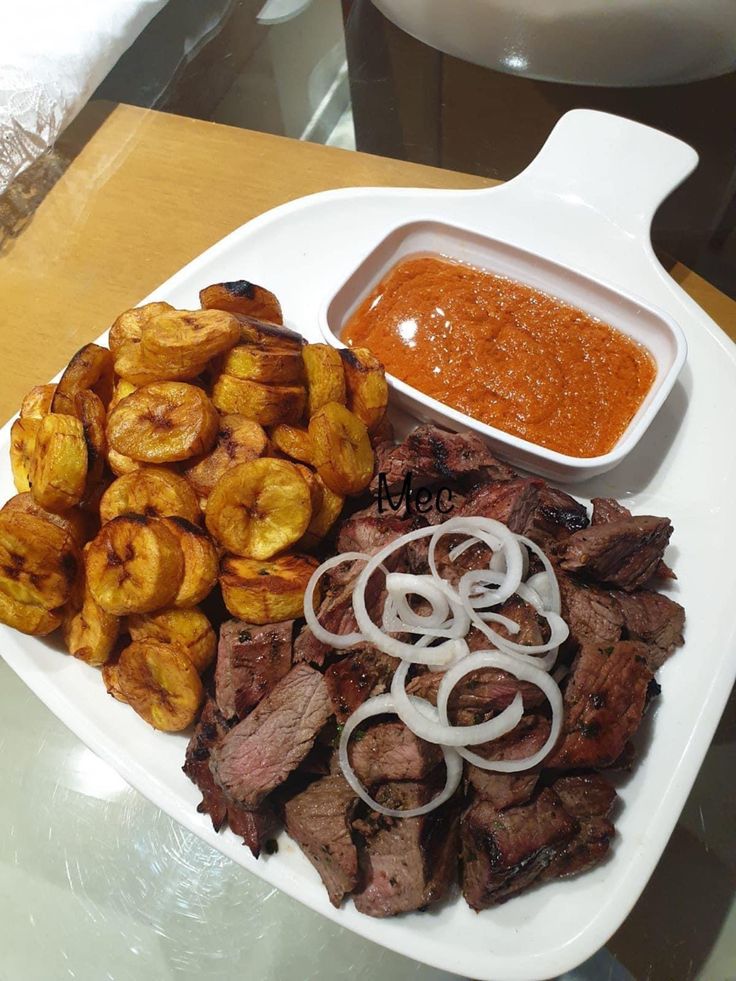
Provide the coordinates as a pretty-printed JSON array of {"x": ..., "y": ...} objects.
[
  {"x": 90, "y": 368},
  {"x": 200, "y": 561},
  {"x": 121, "y": 464},
  {"x": 268, "y": 365},
  {"x": 325, "y": 376},
  {"x": 128, "y": 328},
  {"x": 58, "y": 473},
  {"x": 111, "y": 680},
  {"x": 91, "y": 413},
  {"x": 135, "y": 366},
  {"x": 23, "y": 434},
  {"x": 189, "y": 338},
  {"x": 163, "y": 422},
  {"x": 314, "y": 484},
  {"x": 27, "y": 617},
  {"x": 343, "y": 453},
  {"x": 238, "y": 441},
  {"x": 153, "y": 491},
  {"x": 90, "y": 633},
  {"x": 267, "y": 334},
  {"x": 189, "y": 629},
  {"x": 259, "y": 508},
  {"x": 267, "y": 405},
  {"x": 160, "y": 683},
  {"x": 39, "y": 560},
  {"x": 266, "y": 592},
  {"x": 293, "y": 441},
  {"x": 78, "y": 524},
  {"x": 240, "y": 296},
  {"x": 134, "y": 565},
  {"x": 367, "y": 389},
  {"x": 322, "y": 519},
  {"x": 37, "y": 402}
]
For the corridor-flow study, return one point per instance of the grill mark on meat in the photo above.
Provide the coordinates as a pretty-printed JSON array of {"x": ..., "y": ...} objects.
[
  {"x": 512, "y": 502},
  {"x": 502, "y": 790},
  {"x": 250, "y": 661},
  {"x": 357, "y": 676},
  {"x": 257, "y": 754},
  {"x": 654, "y": 619},
  {"x": 589, "y": 798},
  {"x": 389, "y": 752}
]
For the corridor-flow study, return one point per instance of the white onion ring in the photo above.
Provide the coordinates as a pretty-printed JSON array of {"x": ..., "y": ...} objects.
[
  {"x": 381, "y": 705},
  {"x": 554, "y": 602},
  {"x": 441, "y": 732},
  {"x": 338, "y": 641},
  {"x": 523, "y": 672}
]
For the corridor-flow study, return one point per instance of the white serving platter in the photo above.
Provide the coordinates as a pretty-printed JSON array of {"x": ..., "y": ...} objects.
[{"x": 587, "y": 201}]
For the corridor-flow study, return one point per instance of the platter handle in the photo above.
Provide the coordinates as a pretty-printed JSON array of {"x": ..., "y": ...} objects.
[{"x": 619, "y": 169}]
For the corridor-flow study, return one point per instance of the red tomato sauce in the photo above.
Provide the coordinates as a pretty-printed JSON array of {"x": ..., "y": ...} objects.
[{"x": 504, "y": 353}]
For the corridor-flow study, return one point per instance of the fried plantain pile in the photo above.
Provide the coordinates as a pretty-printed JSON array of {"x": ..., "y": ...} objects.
[{"x": 198, "y": 460}]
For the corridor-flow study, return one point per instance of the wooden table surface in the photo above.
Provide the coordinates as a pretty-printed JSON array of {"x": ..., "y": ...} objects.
[{"x": 143, "y": 193}]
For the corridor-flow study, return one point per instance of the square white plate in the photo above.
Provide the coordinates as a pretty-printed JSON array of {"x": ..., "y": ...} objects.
[{"x": 587, "y": 201}]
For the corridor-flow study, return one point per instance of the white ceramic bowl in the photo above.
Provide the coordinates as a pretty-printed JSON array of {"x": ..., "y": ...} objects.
[{"x": 653, "y": 328}]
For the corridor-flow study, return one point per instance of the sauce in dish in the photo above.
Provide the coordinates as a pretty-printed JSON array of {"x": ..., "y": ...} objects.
[{"x": 504, "y": 353}]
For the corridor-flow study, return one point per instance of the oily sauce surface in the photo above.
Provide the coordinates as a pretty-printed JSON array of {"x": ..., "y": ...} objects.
[{"x": 505, "y": 354}]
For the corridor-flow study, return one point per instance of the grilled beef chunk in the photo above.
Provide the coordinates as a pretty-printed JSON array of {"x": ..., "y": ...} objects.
[
  {"x": 624, "y": 553},
  {"x": 366, "y": 531},
  {"x": 558, "y": 513},
  {"x": 604, "y": 701},
  {"x": 389, "y": 751},
  {"x": 512, "y": 502},
  {"x": 437, "y": 455},
  {"x": 607, "y": 509},
  {"x": 505, "y": 851},
  {"x": 502, "y": 790},
  {"x": 318, "y": 819},
  {"x": 254, "y": 827},
  {"x": 408, "y": 863},
  {"x": 525, "y": 739},
  {"x": 357, "y": 676},
  {"x": 589, "y": 798},
  {"x": 654, "y": 619},
  {"x": 592, "y": 614},
  {"x": 257, "y": 754},
  {"x": 250, "y": 660}
]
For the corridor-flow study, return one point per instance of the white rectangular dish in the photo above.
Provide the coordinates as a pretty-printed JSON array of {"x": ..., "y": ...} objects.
[
  {"x": 589, "y": 209},
  {"x": 652, "y": 328}
]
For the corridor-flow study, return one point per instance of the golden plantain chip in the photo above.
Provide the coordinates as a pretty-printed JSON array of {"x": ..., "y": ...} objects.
[
  {"x": 189, "y": 337},
  {"x": 121, "y": 390},
  {"x": 343, "y": 453},
  {"x": 38, "y": 560},
  {"x": 134, "y": 565},
  {"x": 367, "y": 389},
  {"x": 37, "y": 402},
  {"x": 267, "y": 405},
  {"x": 267, "y": 334},
  {"x": 325, "y": 376},
  {"x": 189, "y": 629},
  {"x": 27, "y": 618},
  {"x": 238, "y": 441},
  {"x": 79, "y": 524},
  {"x": 293, "y": 441},
  {"x": 128, "y": 328},
  {"x": 259, "y": 508},
  {"x": 160, "y": 683},
  {"x": 121, "y": 464},
  {"x": 268, "y": 365},
  {"x": 324, "y": 518},
  {"x": 58, "y": 474},
  {"x": 137, "y": 367},
  {"x": 153, "y": 491},
  {"x": 90, "y": 368},
  {"x": 91, "y": 413},
  {"x": 241, "y": 296},
  {"x": 163, "y": 422},
  {"x": 314, "y": 484},
  {"x": 266, "y": 592},
  {"x": 200, "y": 561},
  {"x": 22, "y": 445},
  {"x": 90, "y": 633}
]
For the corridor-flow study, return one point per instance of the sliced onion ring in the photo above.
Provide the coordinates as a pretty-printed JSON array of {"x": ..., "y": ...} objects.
[
  {"x": 338, "y": 641},
  {"x": 381, "y": 705},
  {"x": 439, "y": 730},
  {"x": 520, "y": 670}
]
